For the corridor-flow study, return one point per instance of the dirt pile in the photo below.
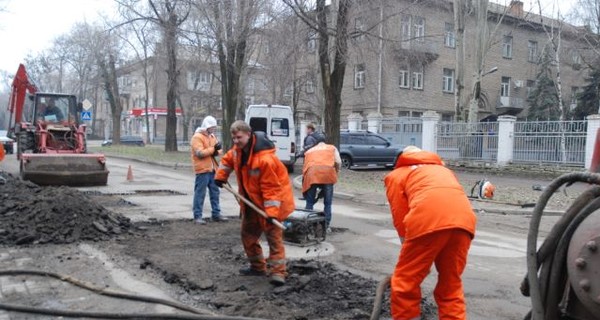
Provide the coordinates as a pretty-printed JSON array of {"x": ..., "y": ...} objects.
[
  {"x": 204, "y": 261},
  {"x": 33, "y": 214}
]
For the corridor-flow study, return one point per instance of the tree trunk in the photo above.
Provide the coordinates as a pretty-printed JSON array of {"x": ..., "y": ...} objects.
[
  {"x": 459, "y": 27},
  {"x": 172, "y": 83}
]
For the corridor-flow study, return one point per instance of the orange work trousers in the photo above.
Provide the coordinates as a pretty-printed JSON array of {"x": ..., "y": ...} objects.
[
  {"x": 448, "y": 249},
  {"x": 253, "y": 226}
]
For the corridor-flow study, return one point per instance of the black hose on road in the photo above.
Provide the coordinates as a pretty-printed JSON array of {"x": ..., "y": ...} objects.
[{"x": 198, "y": 313}]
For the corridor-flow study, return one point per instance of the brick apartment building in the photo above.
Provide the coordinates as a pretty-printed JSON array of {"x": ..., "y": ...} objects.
[{"x": 401, "y": 67}]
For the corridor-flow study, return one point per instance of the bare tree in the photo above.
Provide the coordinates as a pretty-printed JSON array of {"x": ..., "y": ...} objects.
[
  {"x": 168, "y": 15},
  {"x": 104, "y": 47},
  {"x": 230, "y": 23},
  {"x": 332, "y": 75},
  {"x": 141, "y": 39}
]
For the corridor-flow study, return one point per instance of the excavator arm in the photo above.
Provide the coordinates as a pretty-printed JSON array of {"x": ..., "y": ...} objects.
[{"x": 20, "y": 86}]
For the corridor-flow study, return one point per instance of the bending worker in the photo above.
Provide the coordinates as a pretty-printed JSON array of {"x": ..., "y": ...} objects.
[
  {"x": 262, "y": 179},
  {"x": 436, "y": 224},
  {"x": 321, "y": 166}
]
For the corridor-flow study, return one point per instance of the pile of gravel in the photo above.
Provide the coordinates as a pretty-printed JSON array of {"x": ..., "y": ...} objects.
[{"x": 30, "y": 214}]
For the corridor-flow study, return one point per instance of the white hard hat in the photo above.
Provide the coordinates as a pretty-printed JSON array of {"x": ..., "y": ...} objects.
[{"x": 209, "y": 122}]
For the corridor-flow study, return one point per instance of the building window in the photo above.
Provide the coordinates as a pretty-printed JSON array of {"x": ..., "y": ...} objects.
[
  {"x": 419, "y": 28},
  {"x": 359, "y": 76},
  {"x": 417, "y": 79},
  {"x": 576, "y": 59},
  {"x": 449, "y": 39},
  {"x": 359, "y": 28},
  {"x": 448, "y": 81},
  {"x": 289, "y": 91},
  {"x": 198, "y": 80},
  {"x": 505, "y": 87},
  {"x": 507, "y": 47},
  {"x": 404, "y": 77},
  {"x": 405, "y": 27},
  {"x": 532, "y": 51},
  {"x": 309, "y": 85},
  {"x": 530, "y": 87},
  {"x": 311, "y": 45}
]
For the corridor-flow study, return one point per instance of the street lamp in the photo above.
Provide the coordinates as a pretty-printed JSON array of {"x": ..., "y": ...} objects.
[{"x": 474, "y": 103}]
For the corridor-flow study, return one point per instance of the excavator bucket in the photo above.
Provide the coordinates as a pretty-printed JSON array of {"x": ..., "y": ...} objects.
[{"x": 77, "y": 170}]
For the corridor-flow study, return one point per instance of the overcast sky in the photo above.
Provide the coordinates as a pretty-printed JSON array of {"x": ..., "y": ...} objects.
[{"x": 29, "y": 26}]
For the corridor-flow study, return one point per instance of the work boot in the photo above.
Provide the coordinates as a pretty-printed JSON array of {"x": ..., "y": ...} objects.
[
  {"x": 199, "y": 221},
  {"x": 220, "y": 218},
  {"x": 277, "y": 280},
  {"x": 249, "y": 271}
]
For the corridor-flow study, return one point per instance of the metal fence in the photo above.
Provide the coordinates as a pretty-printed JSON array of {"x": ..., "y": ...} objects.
[
  {"x": 467, "y": 141},
  {"x": 403, "y": 131},
  {"x": 558, "y": 142}
]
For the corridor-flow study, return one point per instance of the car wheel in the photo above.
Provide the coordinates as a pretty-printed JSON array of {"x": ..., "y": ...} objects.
[{"x": 346, "y": 161}]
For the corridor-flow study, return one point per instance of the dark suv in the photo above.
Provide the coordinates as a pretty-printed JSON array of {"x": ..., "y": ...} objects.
[{"x": 361, "y": 148}]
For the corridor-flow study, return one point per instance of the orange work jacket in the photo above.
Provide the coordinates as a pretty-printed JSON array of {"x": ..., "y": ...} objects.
[
  {"x": 319, "y": 166},
  {"x": 263, "y": 179},
  {"x": 203, "y": 144},
  {"x": 2, "y": 152},
  {"x": 425, "y": 196}
]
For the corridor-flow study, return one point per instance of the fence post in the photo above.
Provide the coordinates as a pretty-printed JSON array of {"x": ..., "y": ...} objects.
[
  {"x": 354, "y": 120},
  {"x": 506, "y": 139},
  {"x": 374, "y": 121},
  {"x": 430, "y": 120},
  {"x": 593, "y": 124}
]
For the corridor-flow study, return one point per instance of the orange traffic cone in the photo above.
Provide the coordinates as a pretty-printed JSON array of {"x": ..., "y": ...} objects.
[{"x": 129, "y": 174}]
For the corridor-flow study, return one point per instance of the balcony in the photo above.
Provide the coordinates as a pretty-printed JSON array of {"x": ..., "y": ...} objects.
[
  {"x": 417, "y": 51},
  {"x": 509, "y": 105}
]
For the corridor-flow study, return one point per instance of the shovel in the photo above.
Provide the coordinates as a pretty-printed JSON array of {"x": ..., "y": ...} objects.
[{"x": 252, "y": 205}]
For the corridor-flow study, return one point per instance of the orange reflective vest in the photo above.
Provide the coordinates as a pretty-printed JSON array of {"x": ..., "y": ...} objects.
[
  {"x": 425, "y": 196},
  {"x": 202, "y": 148},
  {"x": 319, "y": 166},
  {"x": 263, "y": 179},
  {"x": 2, "y": 152}
]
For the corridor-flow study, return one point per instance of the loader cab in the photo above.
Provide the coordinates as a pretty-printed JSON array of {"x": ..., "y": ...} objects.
[{"x": 55, "y": 108}]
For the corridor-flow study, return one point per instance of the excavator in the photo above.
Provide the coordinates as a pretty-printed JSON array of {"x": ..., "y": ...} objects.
[{"x": 51, "y": 141}]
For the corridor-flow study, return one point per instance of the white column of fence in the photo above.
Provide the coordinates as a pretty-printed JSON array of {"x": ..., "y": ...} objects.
[
  {"x": 593, "y": 124},
  {"x": 374, "y": 122},
  {"x": 430, "y": 120},
  {"x": 354, "y": 120},
  {"x": 506, "y": 135}
]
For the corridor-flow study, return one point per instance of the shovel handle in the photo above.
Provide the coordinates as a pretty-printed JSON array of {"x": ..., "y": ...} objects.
[{"x": 253, "y": 206}]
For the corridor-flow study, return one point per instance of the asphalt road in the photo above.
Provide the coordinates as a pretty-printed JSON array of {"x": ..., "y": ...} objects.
[{"x": 364, "y": 242}]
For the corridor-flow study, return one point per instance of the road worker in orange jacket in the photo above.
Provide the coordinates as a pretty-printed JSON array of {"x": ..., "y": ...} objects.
[
  {"x": 436, "y": 224},
  {"x": 263, "y": 179},
  {"x": 205, "y": 147},
  {"x": 321, "y": 165},
  {"x": 2, "y": 152}
]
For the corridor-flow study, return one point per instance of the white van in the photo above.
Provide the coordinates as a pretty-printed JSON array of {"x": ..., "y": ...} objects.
[{"x": 278, "y": 123}]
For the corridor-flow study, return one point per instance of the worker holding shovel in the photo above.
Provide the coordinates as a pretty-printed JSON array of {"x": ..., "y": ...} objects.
[{"x": 263, "y": 180}]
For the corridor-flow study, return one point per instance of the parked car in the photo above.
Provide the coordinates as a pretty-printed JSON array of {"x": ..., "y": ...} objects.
[
  {"x": 8, "y": 143},
  {"x": 127, "y": 140},
  {"x": 365, "y": 148}
]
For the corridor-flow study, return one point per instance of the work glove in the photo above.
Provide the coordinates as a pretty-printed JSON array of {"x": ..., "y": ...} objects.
[
  {"x": 270, "y": 220},
  {"x": 218, "y": 146},
  {"x": 219, "y": 183}
]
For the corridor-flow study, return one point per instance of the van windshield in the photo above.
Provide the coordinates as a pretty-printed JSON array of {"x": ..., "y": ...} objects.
[
  {"x": 258, "y": 124},
  {"x": 280, "y": 127}
]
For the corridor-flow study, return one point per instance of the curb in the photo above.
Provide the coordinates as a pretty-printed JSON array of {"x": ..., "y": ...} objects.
[{"x": 174, "y": 165}]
